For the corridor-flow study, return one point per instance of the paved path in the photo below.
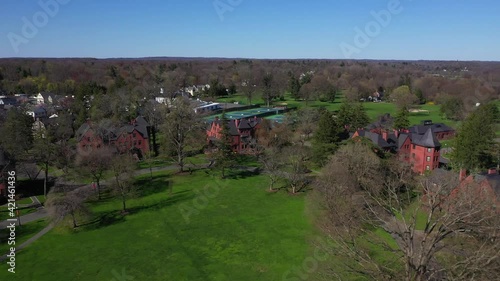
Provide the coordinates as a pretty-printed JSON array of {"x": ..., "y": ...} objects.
[
  {"x": 31, "y": 240},
  {"x": 42, "y": 213}
]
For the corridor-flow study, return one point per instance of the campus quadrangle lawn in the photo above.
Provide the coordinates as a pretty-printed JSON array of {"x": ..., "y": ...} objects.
[{"x": 241, "y": 233}]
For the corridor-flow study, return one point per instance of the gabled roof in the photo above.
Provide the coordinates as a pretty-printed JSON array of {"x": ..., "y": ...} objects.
[
  {"x": 377, "y": 139},
  {"x": 402, "y": 139},
  {"x": 81, "y": 131},
  {"x": 426, "y": 140}
]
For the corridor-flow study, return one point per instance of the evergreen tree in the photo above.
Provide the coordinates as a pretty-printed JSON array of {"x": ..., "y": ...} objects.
[
  {"x": 224, "y": 157},
  {"x": 402, "y": 120},
  {"x": 16, "y": 135},
  {"x": 327, "y": 137},
  {"x": 294, "y": 87},
  {"x": 353, "y": 115},
  {"x": 475, "y": 138}
]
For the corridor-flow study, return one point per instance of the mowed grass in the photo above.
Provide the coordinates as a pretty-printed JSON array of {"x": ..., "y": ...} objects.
[
  {"x": 373, "y": 109},
  {"x": 23, "y": 233},
  {"x": 239, "y": 232}
]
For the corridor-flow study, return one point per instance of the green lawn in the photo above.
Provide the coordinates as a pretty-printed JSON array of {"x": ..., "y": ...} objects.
[
  {"x": 4, "y": 212},
  {"x": 23, "y": 233},
  {"x": 241, "y": 233},
  {"x": 373, "y": 109}
]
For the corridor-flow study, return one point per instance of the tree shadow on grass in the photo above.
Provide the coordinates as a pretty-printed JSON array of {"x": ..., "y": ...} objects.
[
  {"x": 242, "y": 173},
  {"x": 167, "y": 202},
  {"x": 146, "y": 186},
  {"x": 105, "y": 219}
]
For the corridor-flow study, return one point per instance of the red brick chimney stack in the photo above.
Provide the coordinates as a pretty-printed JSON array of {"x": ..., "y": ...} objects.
[
  {"x": 463, "y": 174},
  {"x": 385, "y": 135}
]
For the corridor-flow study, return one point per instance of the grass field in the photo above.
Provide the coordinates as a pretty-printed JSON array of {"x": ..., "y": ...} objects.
[
  {"x": 23, "y": 233},
  {"x": 374, "y": 110},
  {"x": 241, "y": 232}
]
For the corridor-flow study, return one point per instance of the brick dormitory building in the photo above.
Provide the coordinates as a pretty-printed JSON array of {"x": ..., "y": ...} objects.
[
  {"x": 133, "y": 137},
  {"x": 242, "y": 133},
  {"x": 418, "y": 145}
]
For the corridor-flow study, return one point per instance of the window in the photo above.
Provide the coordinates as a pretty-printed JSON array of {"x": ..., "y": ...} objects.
[
  {"x": 428, "y": 159},
  {"x": 414, "y": 146},
  {"x": 429, "y": 149},
  {"x": 413, "y": 155},
  {"x": 428, "y": 167}
]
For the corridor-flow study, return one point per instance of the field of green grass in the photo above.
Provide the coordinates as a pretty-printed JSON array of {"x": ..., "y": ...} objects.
[
  {"x": 373, "y": 109},
  {"x": 236, "y": 231},
  {"x": 23, "y": 233}
]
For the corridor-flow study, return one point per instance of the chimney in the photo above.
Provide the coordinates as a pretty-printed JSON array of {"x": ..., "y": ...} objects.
[
  {"x": 492, "y": 171},
  {"x": 463, "y": 174},
  {"x": 385, "y": 135},
  {"x": 396, "y": 132},
  {"x": 236, "y": 122}
]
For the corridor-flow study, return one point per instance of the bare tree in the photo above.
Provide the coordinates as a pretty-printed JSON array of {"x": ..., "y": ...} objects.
[
  {"x": 182, "y": 130},
  {"x": 63, "y": 202},
  {"x": 429, "y": 220},
  {"x": 94, "y": 164},
  {"x": 123, "y": 167},
  {"x": 294, "y": 170},
  {"x": 271, "y": 162}
]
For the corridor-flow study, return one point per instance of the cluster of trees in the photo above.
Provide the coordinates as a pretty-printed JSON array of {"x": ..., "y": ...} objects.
[
  {"x": 437, "y": 231},
  {"x": 475, "y": 148},
  {"x": 304, "y": 79}
]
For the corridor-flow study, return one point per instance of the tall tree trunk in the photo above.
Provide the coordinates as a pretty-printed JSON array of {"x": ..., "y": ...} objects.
[
  {"x": 74, "y": 219},
  {"x": 150, "y": 170},
  {"x": 45, "y": 180},
  {"x": 98, "y": 186},
  {"x": 155, "y": 148},
  {"x": 123, "y": 202}
]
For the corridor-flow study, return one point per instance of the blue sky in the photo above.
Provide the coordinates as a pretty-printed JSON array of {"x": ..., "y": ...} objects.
[{"x": 418, "y": 29}]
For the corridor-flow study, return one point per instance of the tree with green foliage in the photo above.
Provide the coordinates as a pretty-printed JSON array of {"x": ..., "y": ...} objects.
[
  {"x": 294, "y": 86},
  {"x": 16, "y": 135},
  {"x": 402, "y": 121},
  {"x": 327, "y": 137},
  {"x": 224, "y": 156},
  {"x": 353, "y": 115},
  {"x": 44, "y": 153},
  {"x": 403, "y": 97},
  {"x": 420, "y": 96},
  {"x": 475, "y": 138}
]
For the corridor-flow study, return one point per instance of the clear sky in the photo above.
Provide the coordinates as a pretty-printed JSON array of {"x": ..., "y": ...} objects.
[{"x": 333, "y": 29}]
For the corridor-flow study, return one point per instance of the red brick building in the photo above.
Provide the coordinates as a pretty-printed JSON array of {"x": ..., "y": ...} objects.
[
  {"x": 487, "y": 184},
  {"x": 242, "y": 133},
  {"x": 420, "y": 150},
  {"x": 133, "y": 137}
]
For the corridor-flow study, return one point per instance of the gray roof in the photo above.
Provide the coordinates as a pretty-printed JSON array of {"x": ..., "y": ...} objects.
[
  {"x": 437, "y": 128},
  {"x": 426, "y": 140},
  {"x": 377, "y": 139}
]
